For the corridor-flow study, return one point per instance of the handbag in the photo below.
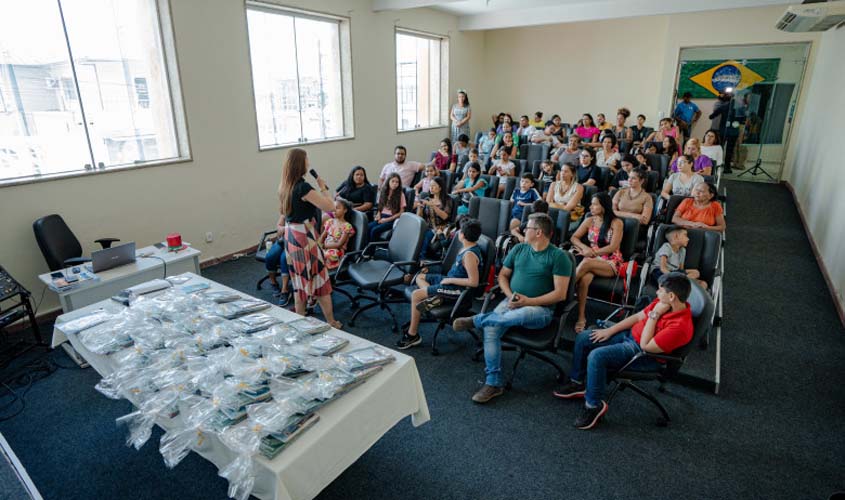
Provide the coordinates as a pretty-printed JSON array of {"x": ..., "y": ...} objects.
[{"x": 576, "y": 213}]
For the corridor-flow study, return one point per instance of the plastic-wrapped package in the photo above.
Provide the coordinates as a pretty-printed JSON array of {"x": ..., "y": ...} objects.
[
  {"x": 361, "y": 359},
  {"x": 176, "y": 443},
  {"x": 240, "y": 473},
  {"x": 141, "y": 421},
  {"x": 237, "y": 308},
  {"x": 283, "y": 335},
  {"x": 222, "y": 296},
  {"x": 77, "y": 325},
  {"x": 105, "y": 338},
  {"x": 179, "y": 279},
  {"x": 289, "y": 361},
  {"x": 326, "y": 345},
  {"x": 252, "y": 323},
  {"x": 248, "y": 347}
]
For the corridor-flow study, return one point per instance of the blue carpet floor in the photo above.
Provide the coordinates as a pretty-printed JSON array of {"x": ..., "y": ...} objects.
[{"x": 776, "y": 430}]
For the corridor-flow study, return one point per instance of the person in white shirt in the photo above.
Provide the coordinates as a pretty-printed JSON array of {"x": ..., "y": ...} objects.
[
  {"x": 503, "y": 167},
  {"x": 406, "y": 169},
  {"x": 712, "y": 148},
  {"x": 524, "y": 127},
  {"x": 545, "y": 136}
]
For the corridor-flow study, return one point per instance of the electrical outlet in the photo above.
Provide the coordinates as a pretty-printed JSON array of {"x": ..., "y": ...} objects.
[{"x": 209, "y": 237}]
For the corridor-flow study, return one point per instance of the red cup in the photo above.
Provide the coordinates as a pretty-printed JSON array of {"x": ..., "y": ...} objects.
[{"x": 174, "y": 241}]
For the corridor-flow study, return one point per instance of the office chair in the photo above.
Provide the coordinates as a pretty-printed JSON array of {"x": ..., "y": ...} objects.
[
  {"x": 374, "y": 278},
  {"x": 494, "y": 215},
  {"x": 59, "y": 245},
  {"x": 338, "y": 275},
  {"x": 616, "y": 291}
]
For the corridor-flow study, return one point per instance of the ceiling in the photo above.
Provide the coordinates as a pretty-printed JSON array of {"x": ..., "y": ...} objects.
[{"x": 497, "y": 14}]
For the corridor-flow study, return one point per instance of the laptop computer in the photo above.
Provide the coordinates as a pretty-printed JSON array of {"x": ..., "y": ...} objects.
[{"x": 108, "y": 258}]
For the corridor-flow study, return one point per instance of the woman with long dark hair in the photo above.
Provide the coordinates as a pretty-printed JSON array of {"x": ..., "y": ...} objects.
[
  {"x": 601, "y": 257},
  {"x": 436, "y": 210},
  {"x": 460, "y": 116},
  {"x": 357, "y": 190},
  {"x": 391, "y": 204},
  {"x": 298, "y": 203}
]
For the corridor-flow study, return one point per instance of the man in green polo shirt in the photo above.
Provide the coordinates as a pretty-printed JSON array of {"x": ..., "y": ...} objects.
[{"x": 534, "y": 277}]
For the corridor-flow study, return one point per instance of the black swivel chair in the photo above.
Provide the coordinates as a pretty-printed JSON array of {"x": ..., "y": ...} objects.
[
  {"x": 494, "y": 215},
  {"x": 625, "y": 378},
  {"x": 542, "y": 342},
  {"x": 659, "y": 163},
  {"x": 339, "y": 275},
  {"x": 59, "y": 245},
  {"x": 374, "y": 278},
  {"x": 652, "y": 182}
]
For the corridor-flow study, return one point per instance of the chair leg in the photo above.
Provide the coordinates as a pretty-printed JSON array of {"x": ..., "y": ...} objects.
[
  {"x": 662, "y": 422},
  {"x": 362, "y": 309},
  {"x": 519, "y": 359},
  {"x": 434, "y": 350},
  {"x": 383, "y": 305},
  {"x": 261, "y": 282}
]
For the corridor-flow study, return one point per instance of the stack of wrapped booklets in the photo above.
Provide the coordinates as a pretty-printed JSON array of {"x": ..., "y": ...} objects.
[
  {"x": 273, "y": 444},
  {"x": 232, "y": 310},
  {"x": 309, "y": 325},
  {"x": 256, "y": 322},
  {"x": 364, "y": 358}
]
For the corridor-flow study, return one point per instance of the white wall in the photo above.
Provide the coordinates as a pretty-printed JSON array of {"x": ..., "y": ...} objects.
[
  {"x": 814, "y": 166},
  {"x": 229, "y": 187}
]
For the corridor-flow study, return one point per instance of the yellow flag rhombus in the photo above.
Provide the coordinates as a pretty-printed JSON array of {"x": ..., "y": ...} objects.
[{"x": 731, "y": 74}]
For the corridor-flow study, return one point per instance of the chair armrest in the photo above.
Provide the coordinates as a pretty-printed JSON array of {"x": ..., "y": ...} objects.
[
  {"x": 262, "y": 241},
  {"x": 373, "y": 245},
  {"x": 393, "y": 266},
  {"x": 425, "y": 265},
  {"x": 73, "y": 261},
  {"x": 106, "y": 242},
  {"x": 496, "y": 290},
  {"x": 458, "y": 303}
]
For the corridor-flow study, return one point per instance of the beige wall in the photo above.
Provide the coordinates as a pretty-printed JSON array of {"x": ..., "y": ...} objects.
[
  {"x": 229, "y": 187},
  {"x": 814, "y": 167}
]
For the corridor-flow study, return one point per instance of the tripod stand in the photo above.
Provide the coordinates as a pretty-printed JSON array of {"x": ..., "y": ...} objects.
[{"x": 757, "y": 169}]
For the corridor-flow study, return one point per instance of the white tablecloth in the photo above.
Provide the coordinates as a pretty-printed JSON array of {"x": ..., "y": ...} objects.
[{"x": 347, "y": 427}]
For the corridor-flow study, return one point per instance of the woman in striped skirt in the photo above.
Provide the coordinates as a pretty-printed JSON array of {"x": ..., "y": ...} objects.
[{"x": 299, "y": 203}]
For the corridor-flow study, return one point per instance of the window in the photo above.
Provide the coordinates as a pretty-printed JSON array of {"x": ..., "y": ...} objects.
[
  {"x": 300, "y": 75},
  {"x": 70, "y": 72},
  {"x": 422, "y": 80}
]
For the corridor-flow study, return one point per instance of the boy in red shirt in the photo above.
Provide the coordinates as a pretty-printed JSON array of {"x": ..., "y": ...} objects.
[{"x": 662, "y": 327}]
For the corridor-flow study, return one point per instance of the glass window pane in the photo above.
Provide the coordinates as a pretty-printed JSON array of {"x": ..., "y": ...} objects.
[
  {"x": 273, "y": 56},
  {"x": 122, "y": 79},
  {"x": 417, "y": 81},
  {"x": 318, "y": 56},
  {"x": 41, "y": 130}
]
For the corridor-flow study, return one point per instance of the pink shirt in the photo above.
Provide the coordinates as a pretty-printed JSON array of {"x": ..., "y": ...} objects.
[
  {"x": 587, "y": 132},
  {"x": 406, "y": 171}
]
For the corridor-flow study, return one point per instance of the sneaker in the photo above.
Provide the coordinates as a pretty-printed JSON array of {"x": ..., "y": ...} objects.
[
  {"x": 462, "y": 324},
  {"x": 408, "y": 341},
  {"x": 589, "y": 417},
  {"x": 486, "y": 393},
  {"x": 570, "y": 390},
  {"x": 285, "y": 298},
  {"x": 429, "y": 303},
  {"x": 276, "y": 288}
]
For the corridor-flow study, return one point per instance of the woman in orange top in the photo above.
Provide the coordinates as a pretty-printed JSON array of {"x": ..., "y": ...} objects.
[{"x": 702, "y": 211}]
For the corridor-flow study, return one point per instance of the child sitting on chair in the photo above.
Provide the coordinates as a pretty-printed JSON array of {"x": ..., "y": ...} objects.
[
  {"x": 485, "y": 145},
  {"x": 671, "y": 255},
  {"x": 523, "y": 197},
  {"x": 336, "y": 233},
  {"x": 547, "y": 175},
  {"x": 464, "y": 273},
  {"x": 424, "y": 185}
]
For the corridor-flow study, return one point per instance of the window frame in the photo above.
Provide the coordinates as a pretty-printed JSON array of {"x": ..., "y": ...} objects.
[
  {"x": 170, "y": 65},
  {"x": 444, "y": 77},
  {"x": 345, "y": 52}
]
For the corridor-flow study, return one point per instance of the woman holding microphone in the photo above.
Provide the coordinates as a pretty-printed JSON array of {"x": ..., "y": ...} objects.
[{"x": 299, "y": 202}]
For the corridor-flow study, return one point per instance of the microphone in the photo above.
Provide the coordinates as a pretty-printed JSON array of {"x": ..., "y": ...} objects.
[{"x": 313, "y": 173}]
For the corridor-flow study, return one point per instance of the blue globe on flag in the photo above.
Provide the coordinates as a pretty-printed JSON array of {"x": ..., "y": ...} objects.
[{"x": 727, "y": 76}]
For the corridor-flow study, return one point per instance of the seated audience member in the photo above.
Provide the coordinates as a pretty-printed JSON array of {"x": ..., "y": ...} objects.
[
  {"x": 506, "y": 140},
  {"x": 712, "y": 148},
  {"x": 525, "y": 128},
  {"x": 534, "y": 278},
  {"x": 518, "y": 230},
  {"x": 566, "y": 193},
  {"x": 498, "y": 119},
  {"x": 485, "y": 145},
  {"x": 358, "y": 191},
  {"x": 406, "y": 169},
  {"x": 633, "y": 201},
  {"x": 538, "y": 122},
  {"x": 523, "y": 197},
  {"x": 545, "y": 136},
  {"x": 642, "y": 161},
  {"x": 277, "y": 265},
  {"x": 445, "y": 159},
  {"x": 607, "y": 156},
  {"x": 638, "y": 131},
  {"x": 470, "y": 186},
  {"x": 682, "y": 181},
  {"x": 557, "y": 127},
  {"x": 436, "y": 209},
  {"x": 507, "y": 119},
  {"x": 670, "y": 148},
  {"x": 568, "y": 152},
  {"x": 601, "y": 122},
  {"x": 670, "y": 257},
  {"x": 424, "y": 185},
  {"x": 664, "y": 129},
  {"x": 336, "y": 233},
  {"x": 620, "y": 130},
  {"x": 620, "y": 179},
  {"x": 601, "y": 257},
  {"x": 588, "y": 173},
  {"x": 702, "y": 211},
  {"x": 547, "y": 176},
  {"x": 662, "y": 327},
  {"x": 434, "y": 289},
  {"x": 462, "y": 147},
  {"x": 391, "y": 204},
  {"x": 588, "y": 131},
  {"x": 701, "y": 163},
  {"x": 472, "y": 156},
  {"x": 503, "y": 167}
]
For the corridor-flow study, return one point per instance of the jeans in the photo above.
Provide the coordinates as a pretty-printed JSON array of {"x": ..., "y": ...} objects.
[
  {"x": 601, "y": 357},
  {"x": 429, "y": 234},
  {"x": 275, "y": 259},
  {"x": 377, "y": 228},
  {"x": 495, "y": 324}
]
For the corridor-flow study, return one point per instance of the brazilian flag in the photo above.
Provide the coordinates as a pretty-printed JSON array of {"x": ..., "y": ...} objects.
[{"x": 707, "y": 79}]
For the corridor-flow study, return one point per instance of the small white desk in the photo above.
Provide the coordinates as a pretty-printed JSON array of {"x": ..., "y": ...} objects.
[
  {"x": 347, "y": 427},
  {"x": 119, "y": 278}
]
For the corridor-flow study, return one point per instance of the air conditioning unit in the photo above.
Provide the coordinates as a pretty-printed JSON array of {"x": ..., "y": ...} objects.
[{"x": 812, "y": 17}]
